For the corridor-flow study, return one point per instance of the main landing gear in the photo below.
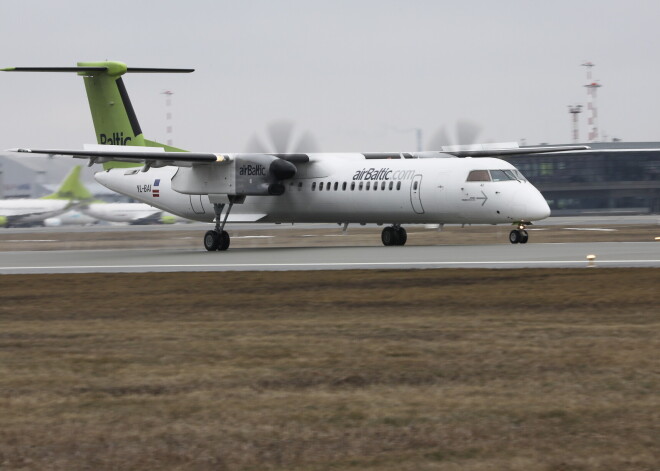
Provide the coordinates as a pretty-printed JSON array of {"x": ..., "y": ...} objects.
[
  {"x": 394, "y": 235},
  {"x": 218, "y": 238},
  {"x": 519, "y": 236}
]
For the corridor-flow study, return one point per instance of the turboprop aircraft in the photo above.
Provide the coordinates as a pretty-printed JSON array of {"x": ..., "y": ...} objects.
[
  {"x": 31, "y": 211},
  {"x": 448, "y": 186}
]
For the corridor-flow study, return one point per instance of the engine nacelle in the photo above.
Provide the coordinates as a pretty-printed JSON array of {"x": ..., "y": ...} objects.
[{"x": 243, "y": 175}]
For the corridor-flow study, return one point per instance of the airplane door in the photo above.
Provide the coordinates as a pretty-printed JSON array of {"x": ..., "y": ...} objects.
[
  {"x": 196, "y": 204},
  {"x": 415, "y": 196}
]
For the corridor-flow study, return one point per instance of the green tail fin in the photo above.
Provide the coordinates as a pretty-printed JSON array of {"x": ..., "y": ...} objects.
[
  {"x": 71, "y": 188},
  {"x": 114, "y": 119},
  {"x": 115, "y": 122}
]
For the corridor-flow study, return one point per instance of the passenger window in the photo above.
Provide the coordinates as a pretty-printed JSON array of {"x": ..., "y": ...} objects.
[
  {"x": 391, "y": 185},
  {"x": 336, "y": 186},
  {"x": 478, "y": 176},
  {"x": 398, "y": 185},
  {"x": 299, "y": 186},
  {"x": 415, "y": 186},
  {"x": 343, "y": 186},
  {"x": 352, "y": 186},
  {"x": 361, "y": 185},
  {"x": 382, "y": 186},
  {"x": 320, "y": 186},
  {"x": 368, "y": 185},
  {"x": 313, "y": 186}
]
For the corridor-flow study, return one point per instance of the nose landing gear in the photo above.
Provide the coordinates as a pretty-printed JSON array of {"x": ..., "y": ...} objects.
[
  {"x": 394, "y": 235},
  {"x": 519, "y": 236}
]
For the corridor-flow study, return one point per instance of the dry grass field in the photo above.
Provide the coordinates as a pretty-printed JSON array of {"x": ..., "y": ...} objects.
[{"x": 378, "y": 370}]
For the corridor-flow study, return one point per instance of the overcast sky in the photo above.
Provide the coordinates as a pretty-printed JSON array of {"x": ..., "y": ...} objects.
[{"x": 360, "y": 75}]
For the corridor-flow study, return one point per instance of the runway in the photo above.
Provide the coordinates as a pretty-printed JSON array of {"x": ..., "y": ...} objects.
[{"x": 549, "y": 255}]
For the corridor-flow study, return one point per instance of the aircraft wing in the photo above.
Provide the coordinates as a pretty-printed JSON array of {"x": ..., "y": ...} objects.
[
  {"x": 157, "y": 157},
  {"x": 147, "y": 156},
  {"x": 514, "y": 151}
]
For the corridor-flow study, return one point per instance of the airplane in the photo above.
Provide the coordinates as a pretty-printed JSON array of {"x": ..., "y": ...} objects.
[
  {"x": 132, "y": 213},
  {"x": 448, "y": 186},
  {"x": 72, "y": 217},
  {"x": 32, "y": 211}
]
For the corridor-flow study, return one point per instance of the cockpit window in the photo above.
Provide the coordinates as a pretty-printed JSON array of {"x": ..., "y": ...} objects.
[
  {"x": 478, "y": 176},
  {"x": 511, "y": 175},
  {"x": 502, "y": 175},
  {"x": 520, "y": 176}
]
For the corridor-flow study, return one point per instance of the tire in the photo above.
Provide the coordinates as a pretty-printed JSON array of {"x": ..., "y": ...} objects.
[
  {"x": 402, "y": 236},
  {"x": 515, "y": 236},
  {"x": 524, "y": 238},
  {"x": 388, "y": 236},
  {"x": 212, "y": 241},
  {"x": 224, "y": 241}
]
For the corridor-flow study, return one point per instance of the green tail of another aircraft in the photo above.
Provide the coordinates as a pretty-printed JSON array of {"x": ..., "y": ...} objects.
[
  {"x": 71, "y": 188},
  {"x": 115, "y": 121}
]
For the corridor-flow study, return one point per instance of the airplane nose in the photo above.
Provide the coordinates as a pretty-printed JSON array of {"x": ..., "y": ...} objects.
[
  {"x": 536, "y": 207},
  {"x": 529, "y": 205}
]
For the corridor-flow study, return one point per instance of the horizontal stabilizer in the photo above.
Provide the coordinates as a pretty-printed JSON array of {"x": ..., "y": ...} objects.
[{"x": 147, "y": 70}]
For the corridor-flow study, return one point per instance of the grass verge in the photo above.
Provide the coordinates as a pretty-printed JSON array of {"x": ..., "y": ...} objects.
[{"x": 376, "y": 370}]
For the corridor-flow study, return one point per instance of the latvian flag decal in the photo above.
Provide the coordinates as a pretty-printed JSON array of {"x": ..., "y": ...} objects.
[{"x": 155, "y": 192}]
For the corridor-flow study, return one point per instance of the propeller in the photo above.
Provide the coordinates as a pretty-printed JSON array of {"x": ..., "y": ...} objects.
[
  {"x": 466, "y": 133},
  {"x": 281, "y": 138}
]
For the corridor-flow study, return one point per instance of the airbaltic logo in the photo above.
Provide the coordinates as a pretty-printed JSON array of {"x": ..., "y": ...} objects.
[
  {"x": 383, "y": 174},
  {"x": 252, "y": 170},
  {"x": 117, "y": 139}
]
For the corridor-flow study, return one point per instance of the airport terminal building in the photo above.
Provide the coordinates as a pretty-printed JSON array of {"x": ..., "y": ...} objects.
[{"x": 624, "y": 177}]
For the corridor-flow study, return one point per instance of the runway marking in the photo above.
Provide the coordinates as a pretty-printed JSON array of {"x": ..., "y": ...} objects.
[
  {"x": 254, "y": 237},
  {"x": 589, "y": 229},
  {"x": 30, "y": 240},
  {"x": 327, "y": 264}
]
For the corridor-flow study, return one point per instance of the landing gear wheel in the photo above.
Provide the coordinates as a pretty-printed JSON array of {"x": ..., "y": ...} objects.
[
  {"x": 389, "y": 236},
  {"x": 212, "y": 241},
  {"x": 515, "y": 236},
  {"x": 402, "y": 235},
  {"x": 523, "y": 237},
  {"x": 224, "y": 241},
  {"x": 394, "y": 235}
]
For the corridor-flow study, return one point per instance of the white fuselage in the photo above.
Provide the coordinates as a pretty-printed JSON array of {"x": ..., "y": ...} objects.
[
  {"x": 71, "y": 217},
  {"x": 30, "y": 211},
  {"x": 120, "y": 212},
  {"x": 347, "y": 188}
]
